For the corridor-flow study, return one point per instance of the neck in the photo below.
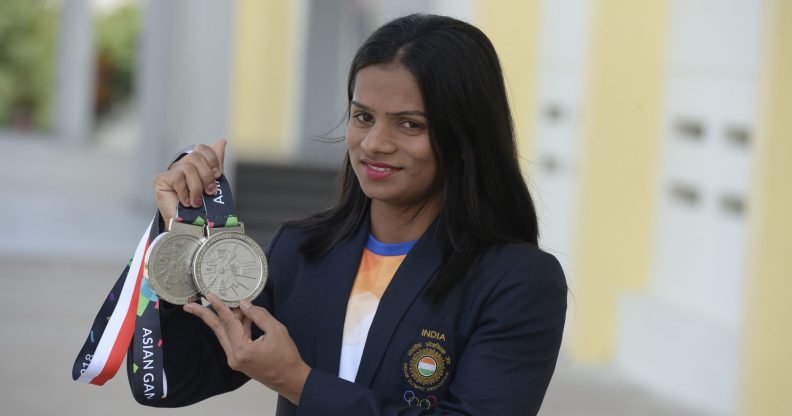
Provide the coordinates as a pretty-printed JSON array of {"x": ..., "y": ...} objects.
[{"x": 397, "y": 224}]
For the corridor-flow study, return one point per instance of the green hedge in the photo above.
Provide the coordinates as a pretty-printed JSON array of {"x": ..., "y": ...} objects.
[
  {"x": 28, "y": 30},
  {"x": 27, "y": 56}
]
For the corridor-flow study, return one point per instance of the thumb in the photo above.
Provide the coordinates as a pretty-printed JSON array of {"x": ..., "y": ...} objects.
[
  {"x": 260, "y": 316},
  {"x": 219, "y": 149}
]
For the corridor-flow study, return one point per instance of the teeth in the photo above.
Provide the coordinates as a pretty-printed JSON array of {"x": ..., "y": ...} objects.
[{"x": 379, "y": 169}]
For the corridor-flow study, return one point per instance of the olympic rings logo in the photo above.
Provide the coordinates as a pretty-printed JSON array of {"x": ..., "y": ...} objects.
[{"x": 415, "y": 401}]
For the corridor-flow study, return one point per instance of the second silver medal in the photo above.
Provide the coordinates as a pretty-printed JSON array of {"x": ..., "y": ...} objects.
[{"x": 169, "y": 263}]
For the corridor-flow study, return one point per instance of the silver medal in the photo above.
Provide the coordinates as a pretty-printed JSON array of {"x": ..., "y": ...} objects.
[
  {"x": 231, "y": 265},
  {"x": 168, "y": 263}
]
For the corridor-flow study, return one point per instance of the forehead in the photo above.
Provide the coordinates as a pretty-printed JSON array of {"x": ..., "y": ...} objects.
[{"x": 387, "y": 87}]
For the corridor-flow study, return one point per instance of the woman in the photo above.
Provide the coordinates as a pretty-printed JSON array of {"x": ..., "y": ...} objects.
[{"x": 423, "y": 289}]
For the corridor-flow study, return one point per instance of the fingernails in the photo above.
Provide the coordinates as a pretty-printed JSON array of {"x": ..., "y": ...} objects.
[
  {"x": 188, "y": 308},
  {"x": 211, "y": 189},
  {"x": 197, "y": 202},
  {"x": 245, "y": 304},
  {"x": 216, "y": 172}
]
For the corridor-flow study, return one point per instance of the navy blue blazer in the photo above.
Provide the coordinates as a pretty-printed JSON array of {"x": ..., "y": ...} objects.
[{"x": 488, "y": 348}]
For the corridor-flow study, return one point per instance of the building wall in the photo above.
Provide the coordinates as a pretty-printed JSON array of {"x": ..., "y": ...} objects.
[
  {"x": 264, "y": 93},
  {"x": 655, "y": 136},
  {"x": 658, "y": 179},
  {"x": 183, "y": 87},
  {"x": 513, "y": 28},
  {"x": 689, "y": 318},
  {"x": 618, "y": 166},
  {"x": 767, "y": 334}
]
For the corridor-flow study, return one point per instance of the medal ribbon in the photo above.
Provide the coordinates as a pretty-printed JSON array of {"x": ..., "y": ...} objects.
[
  {"x": 144, "y": 359},
  {"x": 112, "y": 329},
  {"x": 220, "y": 210},
  {"x": 129, "y": 316},
  {"x": 145, "y": 364}
]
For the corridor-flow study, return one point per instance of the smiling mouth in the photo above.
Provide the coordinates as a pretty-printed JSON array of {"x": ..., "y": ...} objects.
[
  {"x": 379, "y": 167},
  {"x": 379, "y": 171}
]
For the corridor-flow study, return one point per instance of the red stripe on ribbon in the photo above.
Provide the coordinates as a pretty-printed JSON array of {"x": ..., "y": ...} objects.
[{"x": 118, "y": 352}]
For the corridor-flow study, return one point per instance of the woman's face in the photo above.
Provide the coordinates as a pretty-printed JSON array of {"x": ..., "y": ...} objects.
[{"x": 388, "y": 136}]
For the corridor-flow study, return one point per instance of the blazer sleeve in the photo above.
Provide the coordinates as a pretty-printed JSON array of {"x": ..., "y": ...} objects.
[
  {"x": 195, "y": 363},
  {"x": 505, "y": 367}
]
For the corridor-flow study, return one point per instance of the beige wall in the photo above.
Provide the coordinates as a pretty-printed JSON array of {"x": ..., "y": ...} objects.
[
  {"x": 512, "y": 26},
  {"x": 263, "y": 95},
  {"x": 619, "y": 157},
  {"x": 768, "y": 324}
]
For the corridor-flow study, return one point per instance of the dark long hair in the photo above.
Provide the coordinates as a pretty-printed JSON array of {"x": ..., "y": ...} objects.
[{"x": 485, "y": 199}]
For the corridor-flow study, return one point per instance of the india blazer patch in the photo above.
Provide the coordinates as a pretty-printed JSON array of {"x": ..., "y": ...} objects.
[
  {"x": 427, "y": 364},
  {"x": 426, "y": 368}
]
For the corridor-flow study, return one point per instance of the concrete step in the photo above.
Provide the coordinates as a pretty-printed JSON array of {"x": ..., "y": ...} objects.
[{"x": 269, "y": 194}]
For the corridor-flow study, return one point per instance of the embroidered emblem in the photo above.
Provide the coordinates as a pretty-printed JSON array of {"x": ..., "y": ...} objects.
[{"x": 427, "y": 367}]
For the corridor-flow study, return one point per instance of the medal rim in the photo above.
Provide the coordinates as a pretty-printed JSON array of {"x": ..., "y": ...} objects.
[
  {"x": 153, "y": 278},
  {"x": 243, "y": 238}
]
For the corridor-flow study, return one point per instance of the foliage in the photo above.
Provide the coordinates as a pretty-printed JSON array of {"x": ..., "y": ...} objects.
[
  {"x": 27, "y": 56},
  {"x": 116, "y": 43},
  {"x": 28, "y": 30}
]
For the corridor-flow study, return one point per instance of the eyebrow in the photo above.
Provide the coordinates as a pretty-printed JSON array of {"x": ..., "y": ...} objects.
[{"x": 397, "y": 114}]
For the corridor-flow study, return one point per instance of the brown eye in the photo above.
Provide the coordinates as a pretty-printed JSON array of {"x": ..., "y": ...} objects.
[
  {"x": 363, "y": 117},
  {"x": 409, "y": 124}
]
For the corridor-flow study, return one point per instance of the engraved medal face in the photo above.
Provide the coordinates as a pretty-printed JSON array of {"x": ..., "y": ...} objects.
[
  {"x": 169, "y": 267},
  {"x": 232, "y": 266}
]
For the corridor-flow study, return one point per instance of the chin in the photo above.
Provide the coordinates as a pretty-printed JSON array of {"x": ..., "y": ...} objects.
[{"x": 378, "y": 195}]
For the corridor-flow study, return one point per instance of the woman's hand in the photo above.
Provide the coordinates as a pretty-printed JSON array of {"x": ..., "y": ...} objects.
[
  {"x": 272, "y": 359},
  {"x": 188, "y": 179}
]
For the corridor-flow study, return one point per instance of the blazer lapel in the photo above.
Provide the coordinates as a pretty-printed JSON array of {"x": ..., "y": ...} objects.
[
  {"x": 411, "y": 277},
  {"x": 337, "y": 274}
]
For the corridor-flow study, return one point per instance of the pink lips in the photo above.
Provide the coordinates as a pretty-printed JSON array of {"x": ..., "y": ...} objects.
[{"x": 379, "y": 171}]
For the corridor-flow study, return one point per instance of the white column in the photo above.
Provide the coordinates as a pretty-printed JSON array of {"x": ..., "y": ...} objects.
[
  {"x": 336, "y": 28},
  {"x": 152, "y": 90},
  {"x": 74, "y": 85},
  {"x": 681, "y": 337},
  {"x": 563, "y": 36},
  {"x": 184, "y": 83}
]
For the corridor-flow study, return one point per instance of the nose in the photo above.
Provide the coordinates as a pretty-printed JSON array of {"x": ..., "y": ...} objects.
[{"x": 378, "y": 140}]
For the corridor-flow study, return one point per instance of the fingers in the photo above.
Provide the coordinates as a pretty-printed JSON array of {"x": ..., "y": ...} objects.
[
  {"x": 219, "y": 150},
  {"x": 246, "y": 323},
  {"x": 238, "y": 314},
  {"x": 205, "y": 173},
  {"x": 222, "y": 310},
  {"x": 195, "y": 185},
  {"x": 166, "y": 196},
  {"x": 260, "y": 316},
  {"x": 208, "y": 158},
  {"x": 213, "y": 322},
  {"x": 201, "y": 168},
  {"x": 231, "y": 328},
  {"x": 190, "y": 178},
  {"x": 174, "y": 186},
  {"x": 247, "y": 326}
]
